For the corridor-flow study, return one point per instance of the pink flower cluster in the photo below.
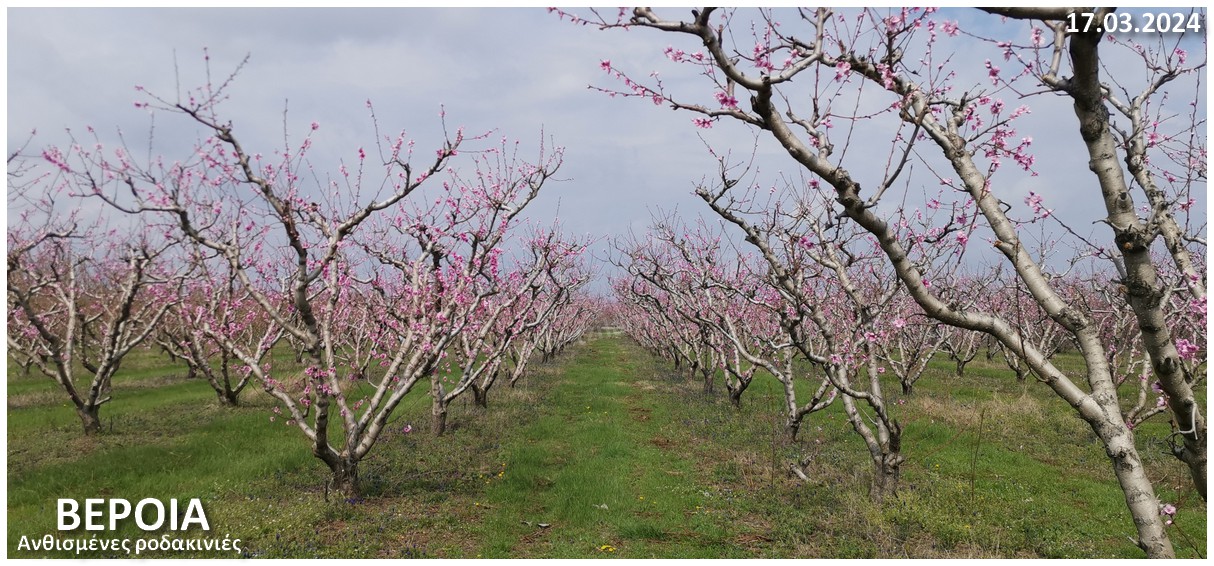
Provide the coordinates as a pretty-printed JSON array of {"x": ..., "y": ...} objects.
[
  {"x": 1034, "y": 201},
  {"x": 1186, "y": 349}
]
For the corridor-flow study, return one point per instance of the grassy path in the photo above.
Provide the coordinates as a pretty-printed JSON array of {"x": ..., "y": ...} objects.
[
  {"x": 593, "y": 467},
  {"x": 627, "y": 462}
]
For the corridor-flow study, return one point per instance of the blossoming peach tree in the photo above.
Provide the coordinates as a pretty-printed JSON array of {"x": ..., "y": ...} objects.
[
  {"x": 305, "y": 249},
  {"x": 82, "y": 292}
]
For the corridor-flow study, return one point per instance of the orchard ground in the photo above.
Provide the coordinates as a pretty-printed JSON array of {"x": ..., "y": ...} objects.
[{"x": 603, "y": 452}]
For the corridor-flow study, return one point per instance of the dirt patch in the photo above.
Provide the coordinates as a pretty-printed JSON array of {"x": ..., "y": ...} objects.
[
  {"x": 997, "y": 409},
  {"x": 535, "y": 536},
  {"x": 38, "y": 399},
  {"x": 753, "y": 541},
  {"x": 433, "y": 542},
  {"x": 661, "y": 442}
]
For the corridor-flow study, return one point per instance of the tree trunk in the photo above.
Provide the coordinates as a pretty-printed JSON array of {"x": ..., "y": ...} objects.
[
  {"x": 90, "y": 418},
  {"x": 228, "y": 398},
  {"x": 735, "y": 397},
  {"x": 961, "y": 368},
  {"x": 887, "y": 474},
  {"x": 791, "y": 428},
  {"x": 438, "y": 418},
  {"x": 1195, "y": 456},
  {"x": 908, "y": 388},
  {"x": 1139, "y": 493},
  {"x": 344, "y": 481},
  {"x": 480, "y": 396}
]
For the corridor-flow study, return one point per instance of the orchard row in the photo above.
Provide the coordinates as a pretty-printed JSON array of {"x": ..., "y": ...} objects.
[{"x": 376, "y": 285}]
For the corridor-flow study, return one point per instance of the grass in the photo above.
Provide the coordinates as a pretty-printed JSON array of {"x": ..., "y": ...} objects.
[{"x": 604, "y": 453}]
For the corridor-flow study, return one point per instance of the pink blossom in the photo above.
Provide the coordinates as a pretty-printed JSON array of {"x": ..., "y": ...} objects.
[
  {"x": 1185, "y": 349},
  {"x": 992, "y": 71},
  {"x": 843, "y": 70},
  {"x": 1198, "y": 307},
  {"x": 605, "y": 64},
  {"x": 887, "y": 76},
  {"x": 950, "y": 28},
  {"x": 1168, "y": 510},
  {"x": 726, "y": 100},
  {"x": 702, "y": 122},
  {"x": 315, "y": 125},
  {"x": 1007, "y": 49},
  {"x": 1034, "y": 201}
]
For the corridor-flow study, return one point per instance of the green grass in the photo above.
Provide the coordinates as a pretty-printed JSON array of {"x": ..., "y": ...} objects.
[
  {"x": 597, "y": 468},
  {"x": 618, "y": 456}
]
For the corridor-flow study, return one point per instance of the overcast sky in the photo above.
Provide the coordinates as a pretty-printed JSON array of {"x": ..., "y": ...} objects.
[{"x": 520, "y": 71}]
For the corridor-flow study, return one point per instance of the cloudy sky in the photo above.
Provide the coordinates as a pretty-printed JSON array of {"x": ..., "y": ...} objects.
[{"x": 520, "y": 71}]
